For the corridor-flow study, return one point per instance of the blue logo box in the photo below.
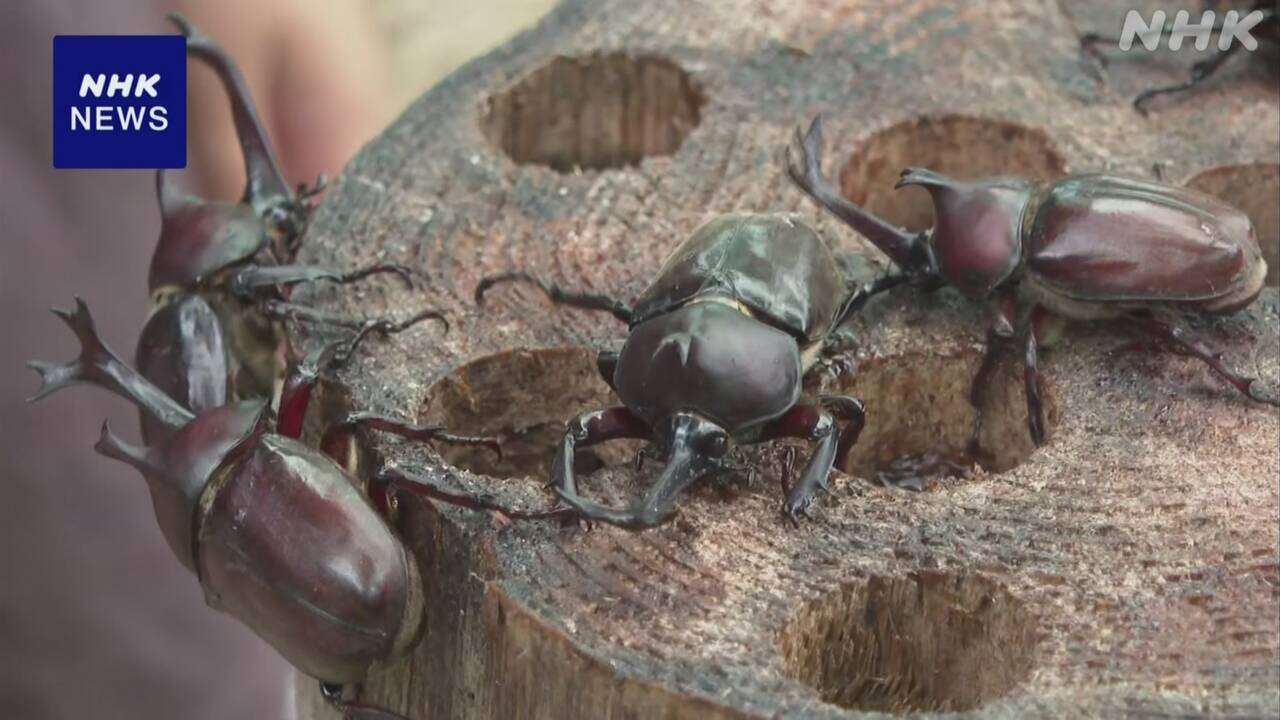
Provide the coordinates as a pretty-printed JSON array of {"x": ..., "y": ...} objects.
[{"x": 119, "y": 101}]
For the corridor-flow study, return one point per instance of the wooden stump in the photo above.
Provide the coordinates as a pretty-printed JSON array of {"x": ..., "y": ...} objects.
[{"x": 1127, "y": 567}]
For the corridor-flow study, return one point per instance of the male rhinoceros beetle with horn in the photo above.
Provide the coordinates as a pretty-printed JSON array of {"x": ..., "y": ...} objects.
[
  {"x": 220, "y": 271},
  {"x": 716, "y": 351},
  {"x": 278, "y": 535},
  {"x": 1082, "y": 247}
]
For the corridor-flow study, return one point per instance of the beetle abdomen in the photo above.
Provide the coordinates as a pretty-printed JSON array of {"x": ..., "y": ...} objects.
[
  {"x": 291, "y": 548},
  {"x": 1109, "y": 239},
  {"x": 772, "y": 263}
]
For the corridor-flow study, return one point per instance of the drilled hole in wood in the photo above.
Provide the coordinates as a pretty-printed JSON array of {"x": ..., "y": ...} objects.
[
  {"x": 928, "y": 641},
  {"x": 918, "y": 404},
  {"x": 594, "y": 112},
  {"x": 1255, "y": 189},
  {"x": 524, "y": 398},
  {"x": 956, "y": 145}
]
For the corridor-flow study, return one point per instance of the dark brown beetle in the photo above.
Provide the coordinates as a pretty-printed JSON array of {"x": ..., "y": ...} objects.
[
  {"x": 1083, "y": 247},
  {"x": 277, "y": 534},
  {"x": 220, "y": 272},
  {"x": 1267, "y": 30},
  {"x": 717, "y": 347}
]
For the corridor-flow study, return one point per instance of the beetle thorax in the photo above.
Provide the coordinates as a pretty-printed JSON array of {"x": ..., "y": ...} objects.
[
  {"x": 978, "y": 228},
  {"x": 710, "y": 358}
]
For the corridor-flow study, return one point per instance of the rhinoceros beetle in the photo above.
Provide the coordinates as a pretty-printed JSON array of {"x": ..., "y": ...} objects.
[
  {"x": 1082, "y": 247},
  {"x": 279, "y": 536},
  {"x": 715, "y": 353},
  {"x": 220, "y": 271},
  {"x": 1266, "y": 30}
]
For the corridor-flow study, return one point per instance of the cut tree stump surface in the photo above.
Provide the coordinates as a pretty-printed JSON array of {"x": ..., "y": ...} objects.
[{"x": 1128, "y": 566}]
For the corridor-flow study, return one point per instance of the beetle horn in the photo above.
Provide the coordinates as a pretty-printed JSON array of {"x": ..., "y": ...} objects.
[
  {"x": 110, "y": 445},
  {"x": 684, "y": 465},
  {"x": 923, "y": 177},
  {"x": 98, "y": 365},
  {"x": 904, "y": 248},
  {"x": 687, "y": 461},
  {"x": 265, "y": 182}
]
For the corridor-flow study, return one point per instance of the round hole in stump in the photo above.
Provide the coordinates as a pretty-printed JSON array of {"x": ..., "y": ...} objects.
[
  {"x": 597, "y": 111},
  {"x": 956, "y": 145},
  {"x": 1253, "y": 188},
  {"x": 524, "y": 398},
  {"x": 918, "y": 404},
  {"x": 923, "y": 642}
]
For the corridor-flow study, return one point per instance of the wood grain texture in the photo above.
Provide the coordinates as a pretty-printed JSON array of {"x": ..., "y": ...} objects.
[{"x": 1127, "y": 567}]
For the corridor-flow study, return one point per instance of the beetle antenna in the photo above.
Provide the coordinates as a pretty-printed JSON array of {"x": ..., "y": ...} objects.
[{"x": 98, "y": 365}]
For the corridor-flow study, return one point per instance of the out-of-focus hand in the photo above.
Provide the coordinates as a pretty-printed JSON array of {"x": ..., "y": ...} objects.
[{"x": 317, "y": 74}]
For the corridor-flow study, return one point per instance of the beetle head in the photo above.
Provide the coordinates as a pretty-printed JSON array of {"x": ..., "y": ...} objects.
[
  {"x": 693, "y": 447},
  {"x": 180, "y": 468},
  {"x": 198, "y": 237},
  {"x": 977, "y": 232}
]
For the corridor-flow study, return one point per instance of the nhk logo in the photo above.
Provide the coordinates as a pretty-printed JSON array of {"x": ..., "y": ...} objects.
[
  {"x": 119, "y": 101},
  {"x": 1230, "y": 28}
]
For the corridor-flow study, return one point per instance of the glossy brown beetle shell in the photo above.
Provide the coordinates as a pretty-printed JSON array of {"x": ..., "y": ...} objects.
[
  {"x": 180, "y": 468},
  {"x": 181, "y": 351},
  {"x": 282, "y": 540},
  {"x": 1102, "y": 238},
  {"x": 774, "y": 264},
  {"x": 290, "y": 547}
]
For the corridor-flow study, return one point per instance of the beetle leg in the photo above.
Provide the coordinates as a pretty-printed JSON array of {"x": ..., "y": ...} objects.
[
  {"x": 977, "y": 390},
  {"x": 245, "y": 281},
  {"x": 409, "y": 431},
  {"x": 334, "y": 695},
  {"x": 396, "y": 479},
  {"x": 732, "y": 473},
  {"x": 1031, "y": 377},
  {"x": 850, "y": 410},
  {"x": 788, "y": 468},
  {"x": 998, "y": 335},
  {"x": 858, "y": 296},
  {"x": 816, "y": 423},
  {"x": 1178, "y": 338},
  {"x": 301, "y": 379},
  {"x": 1200, "y": 72},
  {"x": 558, "y": 295},
  {"x": 281, "y": 310}
]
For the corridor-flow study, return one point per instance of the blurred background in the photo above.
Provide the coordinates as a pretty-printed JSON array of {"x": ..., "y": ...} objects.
[{"x": 97, "y": 619}]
